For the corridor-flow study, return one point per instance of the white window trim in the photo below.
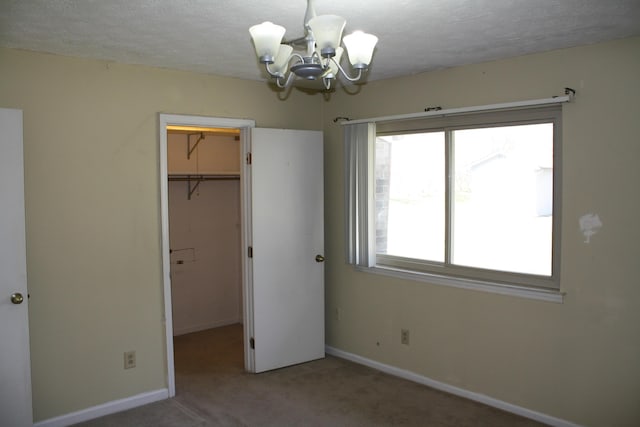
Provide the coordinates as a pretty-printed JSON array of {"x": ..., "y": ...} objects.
[
  {"x": 556, "y": 296},
  {"x": 359, "y": 210}
]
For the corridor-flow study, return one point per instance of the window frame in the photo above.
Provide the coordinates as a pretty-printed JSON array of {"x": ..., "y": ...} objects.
[{"x": 530, "y": 285}]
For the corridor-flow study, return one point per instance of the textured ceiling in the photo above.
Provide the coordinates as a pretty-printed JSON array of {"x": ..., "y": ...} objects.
[{"x": 210, "y": 36}]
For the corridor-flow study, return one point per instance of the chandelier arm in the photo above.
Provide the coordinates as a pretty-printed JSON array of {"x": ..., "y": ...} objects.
[
  {"x": 287, "y": 81},
  {"x": 271, "y": 73},
  {"x": 347, "y": 76},
  {"x": 286, "y": 78},
  {"x": 278, "y": 75},
  {"x": 297, "y": 55},
  {"x": 279, "y": 84}
]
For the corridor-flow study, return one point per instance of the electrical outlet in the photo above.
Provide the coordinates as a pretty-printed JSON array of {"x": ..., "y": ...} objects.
[
  {"x": 404, "y": 336},
  {"x": 129, "y": 359}
]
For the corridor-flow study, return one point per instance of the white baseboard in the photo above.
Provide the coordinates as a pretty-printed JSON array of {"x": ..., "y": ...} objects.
[
  {"x": 203, "y": 327},
  {"x": 105, "y": 409},
  {"x": 489, "y": 401}
]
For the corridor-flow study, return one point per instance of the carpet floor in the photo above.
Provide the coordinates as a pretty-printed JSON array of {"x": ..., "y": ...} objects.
[{"x": 212, "y": 389}]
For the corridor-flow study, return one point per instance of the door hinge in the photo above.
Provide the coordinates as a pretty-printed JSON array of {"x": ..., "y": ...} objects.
[
  {"x": 252, "y": 343},
  {"x": 250, "y": 252},
  {"x": 248, "y": 158}
]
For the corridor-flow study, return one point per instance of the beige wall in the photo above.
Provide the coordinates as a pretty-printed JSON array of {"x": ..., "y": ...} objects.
[
  {"x": 92, "y": 212},
  {"x": 93, "y": 233},
  {"x": 578, "y": 361}
]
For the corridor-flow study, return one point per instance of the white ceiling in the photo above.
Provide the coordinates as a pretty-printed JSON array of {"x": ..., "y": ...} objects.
[{"x": 211, "y": 36}]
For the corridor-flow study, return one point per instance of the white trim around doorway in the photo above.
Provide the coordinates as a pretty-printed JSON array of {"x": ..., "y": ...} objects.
[{"x": 200, "y": 121}]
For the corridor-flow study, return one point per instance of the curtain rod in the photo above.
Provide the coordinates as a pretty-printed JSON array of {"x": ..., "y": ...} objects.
[{"x": 569, "y": 94}]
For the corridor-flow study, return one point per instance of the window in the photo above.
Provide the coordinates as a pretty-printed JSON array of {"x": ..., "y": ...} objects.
[{"x": 470, "y": 198}]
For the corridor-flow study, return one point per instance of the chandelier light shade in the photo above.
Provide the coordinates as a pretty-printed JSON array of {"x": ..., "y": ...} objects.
[
  {"x": 360, "y": 47},
  {"x": 266, "y": 38},
  {"x": 327, "y": 30},
  {"x": 282, "y": 60},
  {"x": 316, "y": 55}
]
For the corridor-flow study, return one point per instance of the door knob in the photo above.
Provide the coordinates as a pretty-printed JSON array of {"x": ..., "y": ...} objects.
[
  {"x": 17, "y": 298},
  {"x": 319, "y": 258}
]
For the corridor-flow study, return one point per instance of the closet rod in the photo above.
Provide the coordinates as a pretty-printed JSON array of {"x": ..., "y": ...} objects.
[
  {"x": 197, "y": 179},
  {"x": 203, "y": 177}
]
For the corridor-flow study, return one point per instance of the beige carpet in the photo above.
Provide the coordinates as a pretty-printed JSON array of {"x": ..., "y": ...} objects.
[{"x": 212, "y": 389}]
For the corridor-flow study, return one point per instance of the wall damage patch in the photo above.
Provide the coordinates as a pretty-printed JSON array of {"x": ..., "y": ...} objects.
[{"x": 589, "y": 225}]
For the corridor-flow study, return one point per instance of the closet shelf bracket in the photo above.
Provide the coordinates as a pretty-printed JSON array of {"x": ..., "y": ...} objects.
[
  {"x": 189, "y": 147},
  {"x": 194, "y": 188}
]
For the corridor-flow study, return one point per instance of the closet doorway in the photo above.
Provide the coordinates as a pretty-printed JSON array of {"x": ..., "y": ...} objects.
[
  {"x": 282, "y": 206},
  {"x": 204, "y": 192}
]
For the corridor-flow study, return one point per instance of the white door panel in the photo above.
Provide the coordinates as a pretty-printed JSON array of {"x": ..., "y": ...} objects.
[
  {"x": 15, "y": 365},
  {"x": 287, "y": 211}
]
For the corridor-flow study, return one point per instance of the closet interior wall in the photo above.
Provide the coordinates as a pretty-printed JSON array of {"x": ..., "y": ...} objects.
[{"x": 204, "y": 230}]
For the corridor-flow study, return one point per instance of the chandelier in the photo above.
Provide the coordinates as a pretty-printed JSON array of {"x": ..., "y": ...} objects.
[{"x": 318, "y": 51}]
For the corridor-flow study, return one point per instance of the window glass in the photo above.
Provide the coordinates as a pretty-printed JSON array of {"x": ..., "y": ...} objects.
[
  {"x": 410, "y": 195},
  {"x": 503, "y": 198}
]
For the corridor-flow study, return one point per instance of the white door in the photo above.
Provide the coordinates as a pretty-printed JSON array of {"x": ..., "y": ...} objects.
[
  {"x": 15, "y": 365},
  {"x": 287, "y": 240}
]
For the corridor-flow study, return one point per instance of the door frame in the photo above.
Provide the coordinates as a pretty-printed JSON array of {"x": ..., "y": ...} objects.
[{"x": 245, "y": 211}]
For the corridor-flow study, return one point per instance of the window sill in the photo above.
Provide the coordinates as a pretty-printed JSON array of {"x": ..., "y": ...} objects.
[{"x": 476, "y": 285}]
